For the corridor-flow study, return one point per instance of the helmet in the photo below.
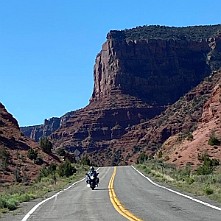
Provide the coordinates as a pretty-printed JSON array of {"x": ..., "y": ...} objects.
[{"x": 92, "y": 168}]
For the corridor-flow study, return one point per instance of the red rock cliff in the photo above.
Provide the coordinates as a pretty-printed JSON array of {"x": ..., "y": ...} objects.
[{"x": 137, "y": 74}]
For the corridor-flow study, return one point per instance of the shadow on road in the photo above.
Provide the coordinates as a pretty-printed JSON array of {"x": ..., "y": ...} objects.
[{"x": 104, "y": 189}]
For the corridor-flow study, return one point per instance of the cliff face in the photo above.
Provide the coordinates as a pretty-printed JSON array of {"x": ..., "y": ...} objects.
[
  {"x": 137, "y": 75},
  {"x": 153, "y": 70}
]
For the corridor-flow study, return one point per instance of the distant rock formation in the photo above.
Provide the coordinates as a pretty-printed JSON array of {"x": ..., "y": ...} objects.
[
  {"x": 43, "y": 130},
  {"x": 137, "y": 75}
]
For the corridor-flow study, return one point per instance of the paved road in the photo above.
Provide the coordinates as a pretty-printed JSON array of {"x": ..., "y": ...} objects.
[
  {"x": 80, "y": 203},
  {"x": 152, "y": 203},
  {"x": 135, "y": 193}
]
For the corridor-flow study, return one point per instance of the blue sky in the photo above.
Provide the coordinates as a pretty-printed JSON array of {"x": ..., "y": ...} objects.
[{"x": 48, "y": 47}]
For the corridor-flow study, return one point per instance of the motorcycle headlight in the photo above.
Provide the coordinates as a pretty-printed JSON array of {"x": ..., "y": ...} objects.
[{"x": 92, "y": 177}]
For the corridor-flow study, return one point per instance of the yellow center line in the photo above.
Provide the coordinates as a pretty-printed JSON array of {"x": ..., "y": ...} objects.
[{"x": 116, "y": 203}]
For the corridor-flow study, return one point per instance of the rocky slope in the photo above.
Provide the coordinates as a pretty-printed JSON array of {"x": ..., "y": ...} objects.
[
  {"x": 181, "y": 132},
  {"x": 138, "y": 74},
  {"x": 188, "y": 151},
  {"x": 14, "y": 162}
]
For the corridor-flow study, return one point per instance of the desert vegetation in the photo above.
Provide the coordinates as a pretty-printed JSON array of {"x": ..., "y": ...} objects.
[
  {"x": 51, "y": 178},
  {"x": 194, "y": 33},
  {"x": 203, "y": 181}
]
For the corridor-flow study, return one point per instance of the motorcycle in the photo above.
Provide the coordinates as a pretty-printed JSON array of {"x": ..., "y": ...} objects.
[{"x": 92, "y": 180}]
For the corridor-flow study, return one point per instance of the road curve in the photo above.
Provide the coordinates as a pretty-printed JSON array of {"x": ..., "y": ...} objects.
[{"x": 141, "y": 199}]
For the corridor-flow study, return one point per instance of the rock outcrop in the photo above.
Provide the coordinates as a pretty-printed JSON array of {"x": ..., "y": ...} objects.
[{"x": 138, "y": 74}]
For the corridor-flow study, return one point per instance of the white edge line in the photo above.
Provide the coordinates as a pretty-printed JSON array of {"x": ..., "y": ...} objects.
[
  {"x": 49, "y": 198},
  {"x": 178, "y": 193}
]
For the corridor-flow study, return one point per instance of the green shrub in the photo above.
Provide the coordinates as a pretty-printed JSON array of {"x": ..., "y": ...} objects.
[
  {"x": 208, "y": 191},
  {"x": 213, "y": 140},
  {"x": 52, "y": 168},
  {"x": 60, "y": 152},
  {"x": 160, "y": 154},
  {"x": 32, "y": 154},
  {"x": 38, "y": 161},
  {"x": 204, "y": 169},
  {"x": 44, "y": 172},
  {"x": 8, "y": 203},
  {"x": 66, "y": 169},
  {"x": 24, "y": 197},
  {"x": 190, "y": 136},
  {"x": 208, "y": 164},
  {"x": 46, "y": 145},
  {"x": 142, "y": 158},
  {"x": 143, "y": 167},
  {"x": 147, "y": 170},
  {"x": 189, "y": 180},
  {"x": 2, "y": 202}
]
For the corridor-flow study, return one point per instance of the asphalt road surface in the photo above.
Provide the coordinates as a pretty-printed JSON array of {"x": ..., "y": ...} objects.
[{"x": 123, "y": 194}]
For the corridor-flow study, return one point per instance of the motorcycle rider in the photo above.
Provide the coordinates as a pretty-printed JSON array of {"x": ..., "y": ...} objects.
[{"x": 92, "y": 172}]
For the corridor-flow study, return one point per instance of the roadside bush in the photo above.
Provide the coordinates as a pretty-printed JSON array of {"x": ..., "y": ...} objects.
[
  {"x": 208, "y": 191},
  {"x": 208, "y": 165},
  {"x": 142, "y": 158},
  {"x": 189, "y": 180},
  {"x": 44, "y": 172},
  {"x": 52, "y": 168},
  {"x": 66, "y": 169},
  {"x": 25, "y": 197},
  {"x": 8, "y": 203},
  {"x": 2, "y": 202}
]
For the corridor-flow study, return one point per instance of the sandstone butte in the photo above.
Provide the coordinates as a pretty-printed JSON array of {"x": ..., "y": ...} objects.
[{"x": 155, "y": 87}]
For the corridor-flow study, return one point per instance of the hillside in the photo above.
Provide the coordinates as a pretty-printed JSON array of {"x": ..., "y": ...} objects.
[
  {"x": 181, "y": 133},
  {"x": 207, "y": 129},
  {"x": 15, "y": 165}
]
